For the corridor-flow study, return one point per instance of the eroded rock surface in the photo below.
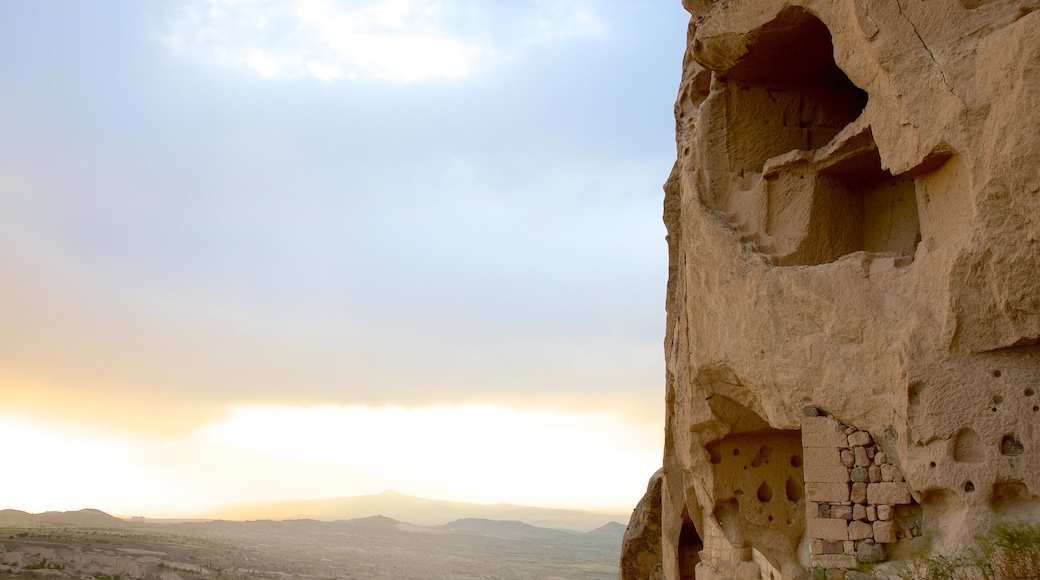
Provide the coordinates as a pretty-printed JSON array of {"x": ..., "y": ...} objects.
[
  {"x": 853, "y": 332},
  {"x": 641, "y": 548}
]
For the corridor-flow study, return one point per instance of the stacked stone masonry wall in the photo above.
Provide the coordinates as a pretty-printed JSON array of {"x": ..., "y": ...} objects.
[{"x": 857, "y": 500}]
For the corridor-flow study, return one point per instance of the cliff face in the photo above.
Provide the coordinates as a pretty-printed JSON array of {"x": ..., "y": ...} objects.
[{"x": 853, "y": 331}]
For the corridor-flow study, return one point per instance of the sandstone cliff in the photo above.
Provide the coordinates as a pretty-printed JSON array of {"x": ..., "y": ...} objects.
[{"x": 853, "y": 330}]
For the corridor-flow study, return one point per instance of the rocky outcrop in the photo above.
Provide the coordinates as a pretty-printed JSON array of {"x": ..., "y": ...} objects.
[
  {"x": 641, "y": 547},
  {"x": 853, "y": 331}
]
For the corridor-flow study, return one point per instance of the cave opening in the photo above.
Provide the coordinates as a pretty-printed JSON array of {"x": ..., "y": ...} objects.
[
  {"x": 794, "y": 117},
  {"x": 690, "y": 546}
]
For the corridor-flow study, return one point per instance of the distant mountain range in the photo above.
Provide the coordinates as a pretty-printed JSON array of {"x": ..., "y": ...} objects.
[
  {"x": 418, "y": 511},
  {"x": 392, "y": 506}
]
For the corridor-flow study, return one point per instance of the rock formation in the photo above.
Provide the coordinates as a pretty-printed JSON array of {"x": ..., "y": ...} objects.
[
  {"x": 853, "y": 328},
  {"x": 641, "y": 547}
]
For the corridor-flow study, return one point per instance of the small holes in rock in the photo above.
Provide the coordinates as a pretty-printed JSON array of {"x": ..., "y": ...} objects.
[
  {"x": 1010, "y": 445},
  {"x": 765, "y": 451},
  {"x": 1029, "y": 392},
  {"x": 793, "y": 489},
  {"x": 736, "y": 452},
  {"x": 994, "y": 409},
  {"x": 796, "y": 461},
  {"x": 1036, "y": 408},
  {"x": 996, "y": 373},
  {"x": 931, "y": 464},
  {"x": 765, "y": 493},
  {"x": 969, "y": 487},
  {"x": 770, "y": 518},
  {"x": 913, "y": 393},
  {"x": 997, "y": 399}
]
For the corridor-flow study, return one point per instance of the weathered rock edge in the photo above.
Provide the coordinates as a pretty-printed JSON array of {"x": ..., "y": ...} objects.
[{"x": 853, "y": 298}]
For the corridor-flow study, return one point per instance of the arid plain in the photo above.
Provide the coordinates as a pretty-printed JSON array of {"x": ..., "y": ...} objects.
[{"x": 90, "y": 544}]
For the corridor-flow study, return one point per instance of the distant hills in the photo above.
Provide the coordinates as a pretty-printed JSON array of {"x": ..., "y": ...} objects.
[
  {"x": 100, "y": 546},
  {"x": 86, "y": 518},
  {"x": 392, "y": 506},
  {"x": 418, "y": 511}
]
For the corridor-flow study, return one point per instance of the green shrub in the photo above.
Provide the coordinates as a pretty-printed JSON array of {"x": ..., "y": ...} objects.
[{"x": 1010, "y": 550}]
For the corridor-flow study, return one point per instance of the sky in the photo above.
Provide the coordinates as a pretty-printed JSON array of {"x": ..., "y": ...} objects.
[{"x": 258, "y": 250}]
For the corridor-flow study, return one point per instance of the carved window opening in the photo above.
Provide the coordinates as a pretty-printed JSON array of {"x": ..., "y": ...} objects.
[{"x": 809, "y": 187}]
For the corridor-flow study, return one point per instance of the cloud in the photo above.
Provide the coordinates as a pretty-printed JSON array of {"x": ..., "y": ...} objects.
[
  {"x": 393, "y": 40},
  {"x": 480, "y": 453}
]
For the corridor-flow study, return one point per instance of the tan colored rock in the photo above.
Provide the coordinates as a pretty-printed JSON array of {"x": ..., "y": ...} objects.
[
  {"x": 859, "y": 512},
  {"x": 885, "y": 532},
  {"x": 641, "y": 546},
  {"x": 888, "y": 493},
  {"x": 884, "y": 512},
  {"x": 853, "y": 248},
  {"x": 829, "y": 529},
  {"x": 860, "y": 531},
  {"x": 834, "y": 561},
  {"x": 858, "y": 493},
  {"x": 859, "y": 439}
]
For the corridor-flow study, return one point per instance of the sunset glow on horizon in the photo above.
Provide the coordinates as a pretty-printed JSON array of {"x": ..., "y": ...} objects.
[{"x": 470, "y": 453}]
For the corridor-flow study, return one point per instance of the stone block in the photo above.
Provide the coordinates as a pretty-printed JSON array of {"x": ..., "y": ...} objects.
[
  {"x": 826, "y": 547},
  {"x": 828, "y": 529},
  {"x": 860, "y": 438},
  {"x": 870, "y": 553},
  {"x": 822, "y": 456},
  {"x": 888, "y": 493},
  {"x": 830, "y": 561},
  {"x": 848, "y": 458},
  {"x": 836, "y": 473},
  {"x": 823, "y": 432},
  {"x": 885, "y": 512},
  {"x": 841, "y": 512},
  {"x": 871, "y": 513},
  {"x": 885, "y": 532},
  {"x": 880, "y": 458},
  {"x": 859, "y": 474},
  {"x": 829, "y": 492},
  {"x": 862, "y": 459},
  {"x": 860, "y": 531},
  {"x": 874, "y": 474},
  {"x": 859, "y": 493},
  {"x": 849, "y": 547},
  {"x": 890, "y": 472},
  {"x": 834, "y": 574},
  {"x": 859, "y": 512},
  {"x": 856, "y": 575},
  {"x": 822, "y": 511}
]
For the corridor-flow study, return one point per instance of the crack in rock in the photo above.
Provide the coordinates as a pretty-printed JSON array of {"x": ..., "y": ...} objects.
[{"x": 931, "y": 55}]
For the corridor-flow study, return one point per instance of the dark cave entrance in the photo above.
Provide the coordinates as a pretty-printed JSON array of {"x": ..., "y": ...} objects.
[{"x": 690, "y": 546}]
